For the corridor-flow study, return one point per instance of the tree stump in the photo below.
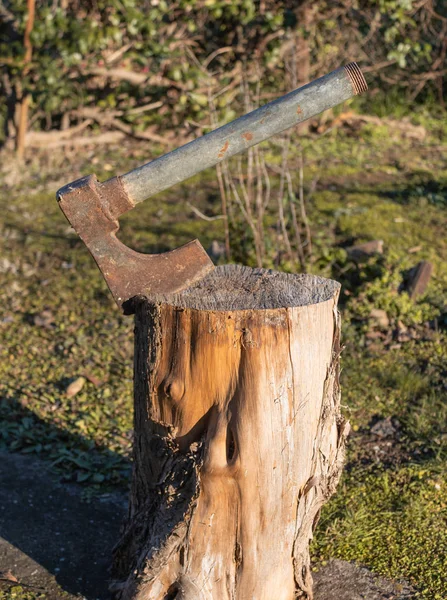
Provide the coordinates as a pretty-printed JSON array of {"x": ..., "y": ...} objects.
[{"x": 239, "y": 439}]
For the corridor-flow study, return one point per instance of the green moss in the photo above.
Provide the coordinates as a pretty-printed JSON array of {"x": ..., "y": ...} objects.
[
  {"x": 18, "y": 592},
  {"x": 395, "y": 521},
  {"x": 407, "y": 383}
]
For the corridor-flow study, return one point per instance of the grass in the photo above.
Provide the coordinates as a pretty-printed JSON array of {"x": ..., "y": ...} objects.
[
  {"x": 393, "y": 519},
  {"x": 17, "y": 592},
  {"x": 59, "y": 323}
]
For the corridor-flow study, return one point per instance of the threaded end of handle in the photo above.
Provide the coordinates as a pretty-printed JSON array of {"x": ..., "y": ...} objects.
[{"x": 356, "y": 78}]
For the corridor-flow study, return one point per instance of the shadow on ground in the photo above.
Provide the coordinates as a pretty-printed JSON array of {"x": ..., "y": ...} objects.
[
  {"x": 50, "y": 535},
  {"x": 53, "y": 540}
]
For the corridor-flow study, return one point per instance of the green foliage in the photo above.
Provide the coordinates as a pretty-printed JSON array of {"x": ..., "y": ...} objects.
[
  {"x": 170, "y": 42},
  {"x": 70, "y": 42}
]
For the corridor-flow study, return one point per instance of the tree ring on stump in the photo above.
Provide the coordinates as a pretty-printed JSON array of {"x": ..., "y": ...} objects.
[{"x": 234, "y": 287}]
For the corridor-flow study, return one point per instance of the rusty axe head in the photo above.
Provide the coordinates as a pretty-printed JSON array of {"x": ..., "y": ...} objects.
[{"x": 93, "y": 208}]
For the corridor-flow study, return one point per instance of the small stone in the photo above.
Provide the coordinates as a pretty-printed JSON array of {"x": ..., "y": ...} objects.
[
  {"x": 402, "y": 333},
  {"x": 28, "y": 270},
  {"x": 384, "y": 428},
  {"x": 44, "y": 319},
  {"x": 419, "y": 279},
  {"x": 10, "y": 234},
  {"x": 75, "y": 387},
  {"x": 401, "y": 327},
  {"x": 362, "y": 252}
]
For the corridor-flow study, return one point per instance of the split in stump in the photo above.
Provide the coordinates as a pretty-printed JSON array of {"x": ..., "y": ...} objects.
[{"x": 239, "y": 439}]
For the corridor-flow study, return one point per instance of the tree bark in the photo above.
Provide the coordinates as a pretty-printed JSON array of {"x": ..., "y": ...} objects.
[{"x": 239, "y": 439}]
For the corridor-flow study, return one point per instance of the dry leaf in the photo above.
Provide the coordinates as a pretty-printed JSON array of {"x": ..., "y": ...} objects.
[
  {"x": 95, "y": 380},
  {"x": 8, "y": 576}
]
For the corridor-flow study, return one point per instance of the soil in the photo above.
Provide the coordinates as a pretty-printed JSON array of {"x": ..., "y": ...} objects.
[
  {"x": 51, "y": 537},
  {"x": 57, "y": 540},
  {"x": 341, "y": 580}
]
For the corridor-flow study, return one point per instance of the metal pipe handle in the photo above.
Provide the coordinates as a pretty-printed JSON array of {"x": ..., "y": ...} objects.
[{"x": 235, "y": 137}]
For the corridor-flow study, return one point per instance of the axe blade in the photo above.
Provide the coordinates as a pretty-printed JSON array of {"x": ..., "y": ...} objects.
[{"x": 92, "y": 209}]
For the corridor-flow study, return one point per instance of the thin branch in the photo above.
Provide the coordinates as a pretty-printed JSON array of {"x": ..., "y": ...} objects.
[
  {"x": 267, "y": 184},
  {"x": 303, "y": 207},
  {"x": 224, "y": 195},
  {"x": 118, "y": 53},
  {"x": 296, "y": 227},
  {"x": 107, "y": 119},
  {"x": 200, "y": 214},
  {"x": 280, "y": 199},
  {"x": 25, "y": 100},
  {"x": 224, "y": 202},
  {"x": 119, "y": 74},
  {"x": 144, "y": 108},
  {"x": 214, "y": 54}
]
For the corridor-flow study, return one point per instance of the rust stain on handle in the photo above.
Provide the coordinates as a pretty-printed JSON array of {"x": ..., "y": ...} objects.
[{"x": 223, "y": 149}]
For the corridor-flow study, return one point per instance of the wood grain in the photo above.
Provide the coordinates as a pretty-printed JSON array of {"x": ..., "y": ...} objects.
[{"x": 239, "y": 439}]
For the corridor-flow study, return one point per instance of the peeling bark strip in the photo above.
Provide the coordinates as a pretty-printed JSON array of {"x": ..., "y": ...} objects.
[{"x": 239, "y": 439}]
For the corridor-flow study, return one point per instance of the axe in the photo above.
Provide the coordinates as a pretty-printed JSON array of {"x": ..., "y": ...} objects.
[{"x": 93, "y": 208}]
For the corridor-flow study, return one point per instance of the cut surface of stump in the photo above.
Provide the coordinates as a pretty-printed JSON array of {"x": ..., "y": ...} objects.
[{"x": 239, "y": 439}]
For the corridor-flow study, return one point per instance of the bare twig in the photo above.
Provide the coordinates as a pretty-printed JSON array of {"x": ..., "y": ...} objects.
[
  {"x": 141, "y": 109},
  {"x": 259, "y": 197},
  {"x": 224, "y": 201},
  {"x": 120, "y": 74},
  {"x": 118, "y": 53},
  {"x": 303, "y": 208},
  {"x": 296, "y": 227},
  {"x": 214, "y": 54},
  {"x": 266, "y": 184},
  {"x": 280, "y": 198},
  {"x": 200, "y": 214},
  {"x": 57, "y": 139},
  {"x": 224, "y": 196},
  {"x": 107, "y": 119},
  {"x": 247, "y": 216}
]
